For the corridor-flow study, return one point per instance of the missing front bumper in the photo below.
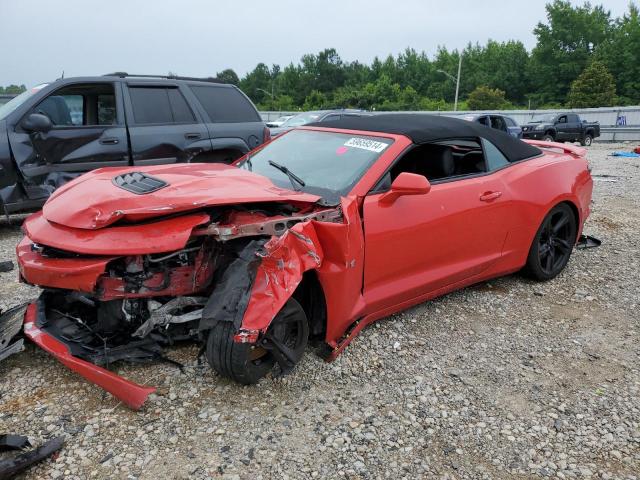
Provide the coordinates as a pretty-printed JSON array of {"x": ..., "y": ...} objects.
[{"x": 128, "y": 392}]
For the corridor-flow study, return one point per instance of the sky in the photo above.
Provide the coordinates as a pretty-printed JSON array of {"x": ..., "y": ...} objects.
[{"x": 40, "y": 39}]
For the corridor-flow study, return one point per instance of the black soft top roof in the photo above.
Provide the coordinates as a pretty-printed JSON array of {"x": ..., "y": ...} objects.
[{"x": 423, "y": 128}]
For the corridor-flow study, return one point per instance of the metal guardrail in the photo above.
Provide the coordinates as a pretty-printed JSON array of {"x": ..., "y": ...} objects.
[{"x": 617, "y": 124}]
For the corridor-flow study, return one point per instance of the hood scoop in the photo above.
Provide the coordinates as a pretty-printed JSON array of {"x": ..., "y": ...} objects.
[{"x": 138, "y": 183}]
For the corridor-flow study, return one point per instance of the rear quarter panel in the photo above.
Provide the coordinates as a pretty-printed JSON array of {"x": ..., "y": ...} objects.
[{"x": 536, "y": 186}]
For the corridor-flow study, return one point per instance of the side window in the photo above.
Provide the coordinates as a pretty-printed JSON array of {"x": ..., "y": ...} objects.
[
  {"x": 225, "y": 104},
  {"x": 562, "y": 119},
  {"x": 159, "y": 105},
  {"x": 150, "y": 105},
  {"x": 181, "y": 111},
  {"x": 80, "y": 105},
  {"x": 493, "y": 157},
  {"x": 498, "y": 124},
  {"x": 483, "y": 121},
  {"x": 106, "y": 110},
  {"x": 573, "y": 118},
  {"x": 439, "y": 162},
  {"x": 331, "y": 118},
  {"x": 510, "y": 122}
]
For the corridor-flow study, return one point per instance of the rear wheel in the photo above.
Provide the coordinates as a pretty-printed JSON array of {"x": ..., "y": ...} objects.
[
  {"x": 586, "y": 141},
  {"x": 284, "y": 344},
  {"x": 553, "y": 244}
]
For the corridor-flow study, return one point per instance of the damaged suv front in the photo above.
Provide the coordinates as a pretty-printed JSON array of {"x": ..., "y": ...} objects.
[{"x": 133, "y": 261}]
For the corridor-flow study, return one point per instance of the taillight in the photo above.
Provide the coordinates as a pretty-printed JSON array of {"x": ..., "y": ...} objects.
[{"x": 266, "y": 135}]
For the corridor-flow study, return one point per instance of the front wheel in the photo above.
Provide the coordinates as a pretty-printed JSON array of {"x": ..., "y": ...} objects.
[
  {"x": 553, "y": 244},
  {"x": 586, "y": 141},
  {"x": 284, "y": 343},
  {"x": 548, "y": 138}
]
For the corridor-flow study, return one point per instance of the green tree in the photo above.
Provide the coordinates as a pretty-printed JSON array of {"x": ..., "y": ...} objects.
[
  {"x": 565, "y": 46},
  {"x": 595, "y": 87},
  {"x": 228, "y": 76},
  {"x": 316, "y": 100},
  {"x": 485, "y": 98},
  {"x": 621, "y": 55},
  {"x": 13, "y": 89}
]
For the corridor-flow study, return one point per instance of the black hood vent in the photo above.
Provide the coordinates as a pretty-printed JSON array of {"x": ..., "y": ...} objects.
[{"x": 138, "y": 183}]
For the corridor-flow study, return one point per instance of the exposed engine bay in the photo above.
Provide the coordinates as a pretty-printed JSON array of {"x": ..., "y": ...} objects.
[{"x": 141, "y": 303}]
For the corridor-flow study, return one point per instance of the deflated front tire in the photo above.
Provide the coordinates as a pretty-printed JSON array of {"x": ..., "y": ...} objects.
[{"x": 283, "y": 344}]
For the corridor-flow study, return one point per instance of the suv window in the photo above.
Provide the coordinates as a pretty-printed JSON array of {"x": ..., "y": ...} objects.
[
  {"x": 225, "y": 104},
  {"x": 498, "y": 123},
  {"x": 80, "y": 105},
  {"x": 159, "y": 105},
  {"x": 510, "y": 122}
]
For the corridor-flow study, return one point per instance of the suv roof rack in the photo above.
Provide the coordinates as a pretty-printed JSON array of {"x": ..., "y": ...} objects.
[{"x": 168, "y": 77}]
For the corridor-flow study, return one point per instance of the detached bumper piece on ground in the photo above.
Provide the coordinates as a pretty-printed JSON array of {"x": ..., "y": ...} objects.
[{"x": 21, "y": 460}]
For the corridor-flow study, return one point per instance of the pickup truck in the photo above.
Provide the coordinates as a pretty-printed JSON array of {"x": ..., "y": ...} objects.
[
  {"x": 57, "y": 131},
  {"x": 563, "y": 127}
]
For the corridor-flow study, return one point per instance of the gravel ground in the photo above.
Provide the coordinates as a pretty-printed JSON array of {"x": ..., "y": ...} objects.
[{"x": 507, "y": 379}]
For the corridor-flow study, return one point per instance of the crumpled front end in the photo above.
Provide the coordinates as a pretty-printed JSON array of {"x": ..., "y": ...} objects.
[{"x": 124, "y": 292}]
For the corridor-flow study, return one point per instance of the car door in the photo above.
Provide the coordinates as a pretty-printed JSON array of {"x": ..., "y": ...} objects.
[
  {"x": 162, "y": 126},
  {"x": 573, "y": 127},
  {"x": 513, "y": 128},
  {"x": 561, "y": 128},
  {"x": 88, "y": 131},
  {"x": 419, "y": 244},
  {"x": 233, "y": 123}
]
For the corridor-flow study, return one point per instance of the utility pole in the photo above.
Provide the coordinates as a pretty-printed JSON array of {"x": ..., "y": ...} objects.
[
  {"x": 455, "y": 105},
  {"x": 455, "y": 79}
]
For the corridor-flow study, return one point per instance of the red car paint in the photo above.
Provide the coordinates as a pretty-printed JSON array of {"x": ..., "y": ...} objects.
[
  {"x": 130, "y": 393},
  {"x": 381, "y": 258},
  {"x": 191, "y": 187}
]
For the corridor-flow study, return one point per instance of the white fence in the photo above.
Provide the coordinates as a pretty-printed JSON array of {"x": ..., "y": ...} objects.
[{"x": 617, "y": 123}]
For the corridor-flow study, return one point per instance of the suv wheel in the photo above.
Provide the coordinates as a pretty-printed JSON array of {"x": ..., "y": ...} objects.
[{"x": 548, "y": 138}]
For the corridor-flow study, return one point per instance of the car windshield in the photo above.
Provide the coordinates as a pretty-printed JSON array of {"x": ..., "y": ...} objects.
[
  {"x": 328, "y": 163},
  {"x": 544, "y": 118},
  {"x": 302, "y": 119},
  {"x": 15, "y": 102}
]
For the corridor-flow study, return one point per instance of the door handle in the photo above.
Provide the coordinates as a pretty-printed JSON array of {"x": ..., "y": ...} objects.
[
  {"x": 489, "y": 196},
  {"x": 109, "y": 141},
  {"x": 192, "y": 136}
]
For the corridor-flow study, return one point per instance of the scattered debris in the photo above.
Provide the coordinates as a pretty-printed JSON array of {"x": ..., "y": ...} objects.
[
  {"x": 9, "y": 467},
  {"x": 587, "y": 241},
  {"x": 6, "y": 266}
]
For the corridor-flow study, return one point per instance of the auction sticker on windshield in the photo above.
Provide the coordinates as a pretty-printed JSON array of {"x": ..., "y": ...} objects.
[{"x": 366, "y": 144}]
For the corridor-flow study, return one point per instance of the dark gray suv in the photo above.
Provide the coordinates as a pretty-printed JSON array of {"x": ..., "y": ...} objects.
[{"x": 57, "y": 131}]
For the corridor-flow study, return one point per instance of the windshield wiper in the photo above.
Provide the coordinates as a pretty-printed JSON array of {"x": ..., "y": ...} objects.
[{"x": 293, "y": 178}]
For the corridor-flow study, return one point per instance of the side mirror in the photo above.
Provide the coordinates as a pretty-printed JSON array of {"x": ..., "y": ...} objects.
[
  {"x": 406, "y": 184},
  {"x": 37, "y": 122}
]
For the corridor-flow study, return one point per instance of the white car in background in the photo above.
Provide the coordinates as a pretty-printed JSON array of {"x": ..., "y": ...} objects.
[{"x": 278, "y": 121}]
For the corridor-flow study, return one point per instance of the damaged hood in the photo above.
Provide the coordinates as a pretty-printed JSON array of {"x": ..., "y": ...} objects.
[{"x": 104, "y": 196}]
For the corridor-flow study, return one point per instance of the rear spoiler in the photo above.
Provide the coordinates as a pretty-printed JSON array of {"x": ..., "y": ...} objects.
[{"x": 563, "y": 147}]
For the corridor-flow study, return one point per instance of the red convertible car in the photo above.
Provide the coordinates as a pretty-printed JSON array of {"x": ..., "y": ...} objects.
[{"x": 306, "y": 240}]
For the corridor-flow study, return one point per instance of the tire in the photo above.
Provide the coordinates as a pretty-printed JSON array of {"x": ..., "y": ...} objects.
[
  {"x": 548, "y": 138},
  {"x": 552, "y": 246},
  {"x": 586, "y": 141},
  {"x": 246, "y": 363}
]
